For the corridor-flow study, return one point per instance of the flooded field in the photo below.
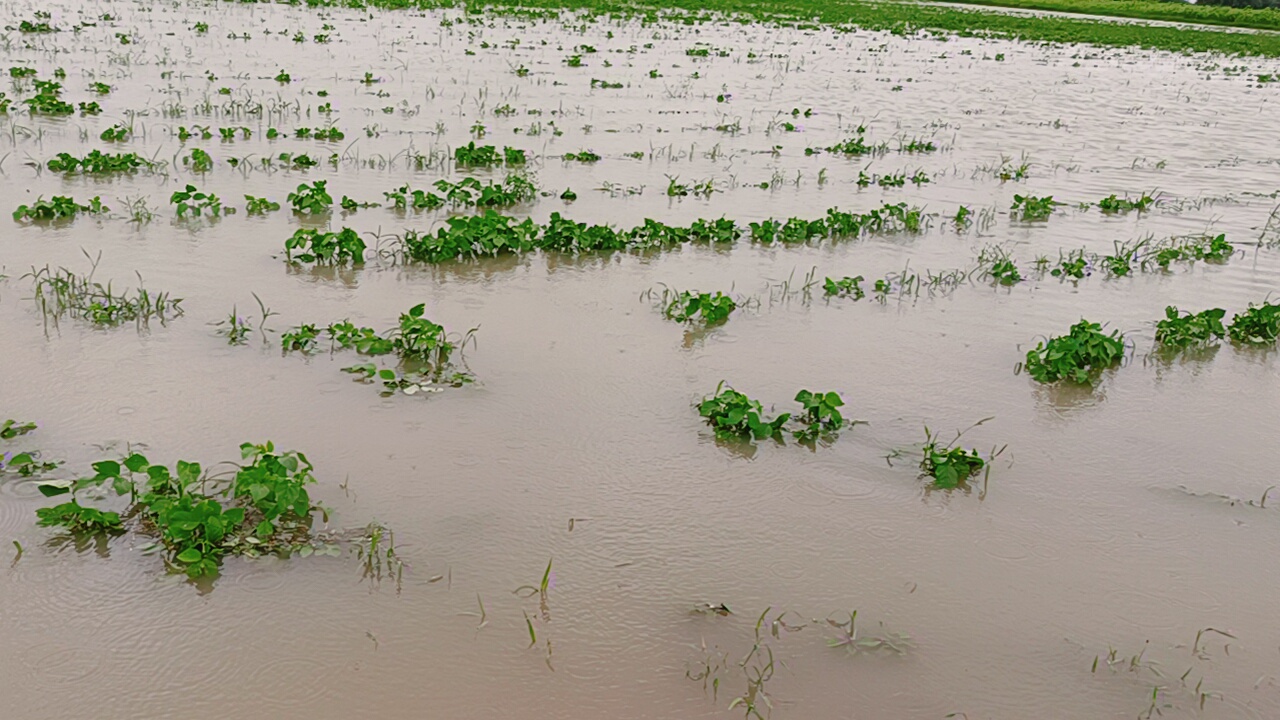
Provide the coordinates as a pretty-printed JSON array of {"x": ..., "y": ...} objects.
[{"x": 576, "y": 541}]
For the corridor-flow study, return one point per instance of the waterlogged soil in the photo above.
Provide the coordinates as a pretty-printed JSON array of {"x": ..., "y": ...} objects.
[{"x": 1128, "y": 518}]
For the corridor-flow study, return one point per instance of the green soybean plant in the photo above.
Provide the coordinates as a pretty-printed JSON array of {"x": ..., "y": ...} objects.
[
  {"x": 849, "y": 287},
  {"x": 948, "y": 465},
  {"x": 325, "y": 248},
  {"x": 12, "y": 429},
  {"x": 1182, "y": 330},
  {"x": 1077, "y": 356},
  {"x": 1029, "y": 208},
  {"x": 259, "y": 205},
  {"x": 734, "y": 415},
  {"x": 1259, "y": 325},
  {"x": 191, "y": 200},
  {"x": 311, "y": 199},
  {"x": 688, "y": 307},
  {"x": 821, "y": 415}
]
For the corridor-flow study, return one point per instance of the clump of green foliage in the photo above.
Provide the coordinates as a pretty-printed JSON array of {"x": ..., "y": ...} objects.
[
  {"x": 48, "y": 99},
  {"x": 325, "y": 248},
  {"x": 12, "y": 429},
  {"x": 948, "y": 465},
  {"x": 856, "y": 145},
  {"x": 312, "y": 199},
  {"x": 57, "y": 208},
  {"x": 1181, "y": 330},
  {"x": 820, "y": 416},
  {"x": 27, "y": 464},
  {"x": 844, "y": 287},
  {"x": 494, "y": 234},
  {"x": 995, "y": 262},
  {"x": 468, "y": 192},
  {"x": 193, "y": 201},
  {"x": 198, "y": 519},
  {"x": 584, "y": 156},
  {"x": 1258, "y": 325},
  {"x": 734, "y": 415},
  {"x": 471, "y": 155},
  {"x": 259, "y": 205},
  {"x": 1209, "y": 248},
  {"x": 688, "y": 307},
  {"x": 1113, "y": 205},
  {"x": 1029, "y": 208},
  {"x": 425, "y": 350},
  {"x": 1076, "y": 356},
  {"x": 115, "y": 133},
  {"x": 198, "y": 160},
  {"x": 99, "y": 163}
]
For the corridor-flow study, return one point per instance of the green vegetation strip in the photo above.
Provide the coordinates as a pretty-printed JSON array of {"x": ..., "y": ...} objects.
[
  {"x": 1258, "y": 19},
  {"x": 908, "y": 18}
]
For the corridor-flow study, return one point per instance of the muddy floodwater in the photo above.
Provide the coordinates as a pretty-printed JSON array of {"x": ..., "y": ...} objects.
[{"x": 1124, "y": 541}]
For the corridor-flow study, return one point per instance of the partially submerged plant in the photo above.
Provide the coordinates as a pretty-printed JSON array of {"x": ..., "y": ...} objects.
[
  {"x": 735, "y": 415},
  {"x": 844, "y": 287},
  {"x": 311, "y": 199},
  {"x": 471, "y": 155},
  {"x": 821, "y": 415},
  {"x": 1259, "y": 325},
  {"x": 12, "y": 429},
  {"x": 425, "y": 350},
  {"x": 1181, "y": 330},
  {"x": 995, "y": 262},
  {"x": 27, "y": 464},
  {"x": 688, "y": 307},
  {"x": 376, "y": 551},
  {"x": 325, "y": 248},
  {"x": 848, "y": 637},
  {"x": 59, "y": 207},
  {"x": 62, "y": 293},
  {"x": 1029, "y": 208},
  {"x": 1077, "y": 356},
  {"x": 99, "y": 163},
  {"x": 856, "y": 145},
  {"x": 1113, "y": 204},
  {"x": 193, "y": 201},
  {"x": 1209, "y": 248},
  {"x": 950, "y": 465},
  {"x": 259, "y": 205},
  {"x": 198, "y": 519},
  {"x": 236, "y": 328}
]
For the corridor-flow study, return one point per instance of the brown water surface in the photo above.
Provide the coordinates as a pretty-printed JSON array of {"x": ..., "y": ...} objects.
[{"x": 1106, "y": 524}]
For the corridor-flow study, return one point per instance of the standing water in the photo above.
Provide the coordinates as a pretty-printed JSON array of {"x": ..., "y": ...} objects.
[{"x": 570, "y": 537}]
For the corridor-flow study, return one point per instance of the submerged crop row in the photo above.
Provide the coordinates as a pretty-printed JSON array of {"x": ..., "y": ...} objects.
[{"x": 492, "y": 234}]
